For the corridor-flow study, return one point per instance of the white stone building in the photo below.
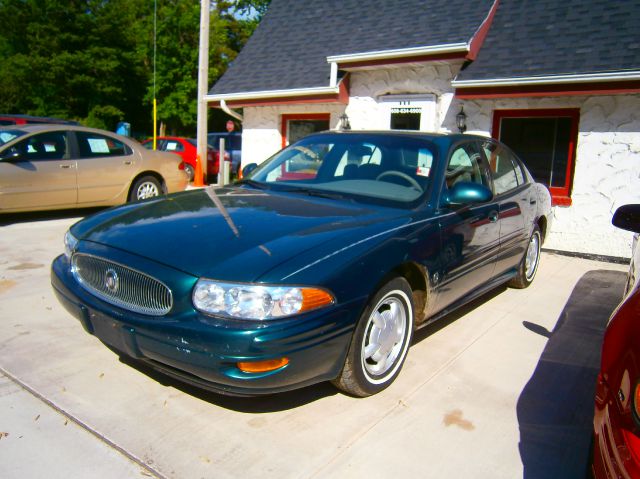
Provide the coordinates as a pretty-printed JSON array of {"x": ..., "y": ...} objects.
[{"x": 558, "y": 81}]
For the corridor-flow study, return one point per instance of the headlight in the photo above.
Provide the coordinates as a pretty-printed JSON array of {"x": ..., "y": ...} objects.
[
  {"x": 253, "y": 301},
  {"x": 70, "y": 243}
]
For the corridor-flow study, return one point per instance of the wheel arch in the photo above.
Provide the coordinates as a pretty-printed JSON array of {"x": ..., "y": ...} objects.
[
  {"x": 542, "y": 224},
  {"x": 418, "y": 278},
  {"x": 155, "y": 174}
]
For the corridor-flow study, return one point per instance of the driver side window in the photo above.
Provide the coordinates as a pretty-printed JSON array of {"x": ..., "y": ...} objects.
[
  {"x": 45, "y": 146},
  {"x": 465, "y": 164}
]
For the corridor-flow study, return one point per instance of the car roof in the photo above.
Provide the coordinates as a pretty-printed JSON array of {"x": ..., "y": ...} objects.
[
  {"x": 44, "y": 127},
  {"x": 452, "y": 137},
  {"x": 34, "y": 128}
]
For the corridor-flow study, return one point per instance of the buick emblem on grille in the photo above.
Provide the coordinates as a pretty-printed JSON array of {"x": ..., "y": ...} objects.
[{"x": 111, "y": 281}]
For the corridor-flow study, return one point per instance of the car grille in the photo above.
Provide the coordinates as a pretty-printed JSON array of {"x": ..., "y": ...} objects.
[{"x": 122, "y": 286}]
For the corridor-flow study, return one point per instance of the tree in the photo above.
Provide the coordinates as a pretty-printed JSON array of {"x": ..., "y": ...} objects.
[{"x": 92, "y": 60}]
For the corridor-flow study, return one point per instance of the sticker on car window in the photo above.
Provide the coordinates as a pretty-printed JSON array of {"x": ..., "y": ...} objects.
[
  {"x": 423, "y": 171},
  {"x": 98, "y": 145}
]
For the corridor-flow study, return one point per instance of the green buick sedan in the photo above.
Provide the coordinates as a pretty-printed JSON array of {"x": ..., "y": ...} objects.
[{"x": 318, "y": 266}]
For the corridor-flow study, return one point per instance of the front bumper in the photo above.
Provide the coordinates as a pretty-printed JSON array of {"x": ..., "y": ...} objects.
[{"x": 204, "y": 351}]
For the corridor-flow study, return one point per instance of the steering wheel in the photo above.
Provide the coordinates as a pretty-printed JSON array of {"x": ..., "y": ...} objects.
[
  {"x": 404, "y": 176},
  {"x": 312, "y": 155}
]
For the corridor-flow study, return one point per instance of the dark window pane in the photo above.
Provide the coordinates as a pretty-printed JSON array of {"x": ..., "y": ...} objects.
[
  {"x": 45, "y": 146},
  {"x": 542, "y": 143},
  {"x": 405, "y": 119},
  {"x": 300, "y": 128}
]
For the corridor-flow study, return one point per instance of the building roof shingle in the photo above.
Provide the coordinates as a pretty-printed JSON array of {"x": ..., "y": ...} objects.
[
  {"x": 289, "y": 49},
  {"x": 526, "y": 39},
  {"x": 532, "y": 38}
]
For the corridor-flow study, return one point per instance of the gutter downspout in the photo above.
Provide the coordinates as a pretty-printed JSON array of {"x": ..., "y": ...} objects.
[{"x": 230, "y": 112}]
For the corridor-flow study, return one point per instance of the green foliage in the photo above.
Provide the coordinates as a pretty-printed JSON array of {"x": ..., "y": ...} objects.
[
  {"x": 248, "y": 7},
  {"x": 92, "y": 60}
]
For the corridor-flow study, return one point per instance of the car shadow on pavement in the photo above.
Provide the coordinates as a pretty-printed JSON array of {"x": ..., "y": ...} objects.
[
  {"x": 555, "y": 408},
  {"x": 255, "y": 404},
  {"x": 426, "y": 331},
  {"x": 36, "y": 216}
]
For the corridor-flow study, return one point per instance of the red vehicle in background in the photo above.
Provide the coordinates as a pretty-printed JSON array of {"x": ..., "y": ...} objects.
[
  {"x": 187, "y": 149},
  {"x": 10, "y": 119},
  {"x": 616, "y": 423}
]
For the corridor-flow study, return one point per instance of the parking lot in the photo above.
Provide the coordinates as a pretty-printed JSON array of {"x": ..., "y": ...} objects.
[{"x": 502, "y": 389}]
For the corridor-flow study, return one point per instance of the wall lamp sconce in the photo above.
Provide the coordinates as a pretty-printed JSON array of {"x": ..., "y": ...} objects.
[
  {"x": 461, "y": 120},
  {"x": 344, "y": 122}
]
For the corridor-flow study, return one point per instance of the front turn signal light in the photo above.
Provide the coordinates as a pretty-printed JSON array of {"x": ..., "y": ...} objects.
[{"x": 262, "y": 366}]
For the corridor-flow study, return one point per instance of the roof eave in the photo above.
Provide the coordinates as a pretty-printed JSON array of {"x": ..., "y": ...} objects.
[
  {"x": 270, "y": 94},
  {"x": 549, "y": 80},
  {"x": 337, "y": 94},
  {"x": 454, "y": 49}
]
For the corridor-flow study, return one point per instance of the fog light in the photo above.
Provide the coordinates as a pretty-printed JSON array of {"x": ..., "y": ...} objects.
[{"x": 262, "y": 366}]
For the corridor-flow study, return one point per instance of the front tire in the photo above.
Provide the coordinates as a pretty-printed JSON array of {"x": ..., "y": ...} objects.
[
  {"x": 145, "y": 187},
  {"x": 529, "y": 264},
  {"x": 380, "y": 342}
]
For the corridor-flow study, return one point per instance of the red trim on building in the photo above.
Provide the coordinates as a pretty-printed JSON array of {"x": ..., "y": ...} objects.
[
  {"x": 560, "y": 196},
  {"x": 344, "y": 87},
  {"x": 299, "y": 116},
  {"x": 400, "y": 60},
  {"x": 478, "y": 39},
  {"x": 569, "y": 89}
]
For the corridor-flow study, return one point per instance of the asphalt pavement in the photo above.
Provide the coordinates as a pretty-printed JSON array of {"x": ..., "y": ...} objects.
[{"x": 501, "y": 389}]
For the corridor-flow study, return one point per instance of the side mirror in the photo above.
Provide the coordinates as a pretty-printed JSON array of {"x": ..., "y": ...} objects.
[
  {"x": 10, "y": 154},
  {"x": 467, "y": 193},
  {"x": 246, "y": 171},
  {"x": 627, "y": 217}
]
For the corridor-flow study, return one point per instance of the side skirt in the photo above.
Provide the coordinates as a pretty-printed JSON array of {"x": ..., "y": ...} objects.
[{"x": 476, "y": 293}]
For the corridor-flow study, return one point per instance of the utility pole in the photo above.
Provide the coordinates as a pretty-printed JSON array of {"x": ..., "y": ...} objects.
[{"x": 203, "y": 82}]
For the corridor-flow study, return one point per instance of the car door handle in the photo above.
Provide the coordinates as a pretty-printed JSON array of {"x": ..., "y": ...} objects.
[
  {"x": 127, "y": 162},
  {"x": 493, "y": 216},
  {"x": 65, "y": 167},
  {"x": 532, "y": 202}
]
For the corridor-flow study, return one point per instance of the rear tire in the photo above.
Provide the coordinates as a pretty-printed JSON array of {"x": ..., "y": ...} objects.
[
  {"x": 529, "y": 264},
  {"x": 380, "y": 342},
  {"x": 189, "y": 171},
  {"x": 145, "y": 187}
]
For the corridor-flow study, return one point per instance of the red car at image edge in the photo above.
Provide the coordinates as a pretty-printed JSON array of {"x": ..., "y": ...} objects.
[
  {"x": 186, "y": 148},
  {"x": 616, "y": 423}
]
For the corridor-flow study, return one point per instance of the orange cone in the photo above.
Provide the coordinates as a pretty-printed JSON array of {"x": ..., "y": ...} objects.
[{"x": 198, "y": 174}]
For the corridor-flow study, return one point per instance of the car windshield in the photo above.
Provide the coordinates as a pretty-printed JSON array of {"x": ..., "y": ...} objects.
[
  {"x": 393, "y": 168},
  {"x": 7, "y": 135}
]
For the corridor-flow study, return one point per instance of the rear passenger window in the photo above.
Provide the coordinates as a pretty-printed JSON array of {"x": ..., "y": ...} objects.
[
  {"x": 93, "y": 145},
  {"x": 173, "y": 146},
  {"x": 505, "y": 170}
]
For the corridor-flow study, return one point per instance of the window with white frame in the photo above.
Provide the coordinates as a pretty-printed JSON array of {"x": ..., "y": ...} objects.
[{"x": 410, "y": 112}]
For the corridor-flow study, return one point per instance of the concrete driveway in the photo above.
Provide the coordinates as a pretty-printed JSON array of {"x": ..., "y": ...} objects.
[{"x": 503, "y": 389}]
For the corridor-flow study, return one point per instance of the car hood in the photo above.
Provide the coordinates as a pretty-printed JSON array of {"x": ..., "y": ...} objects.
[{"x": 233, "y": 233}]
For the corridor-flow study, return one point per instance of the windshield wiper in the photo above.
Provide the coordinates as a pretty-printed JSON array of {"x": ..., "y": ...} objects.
[
  {"x": 252, "y": 183},
  {"x": 325, "y": 194}
]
